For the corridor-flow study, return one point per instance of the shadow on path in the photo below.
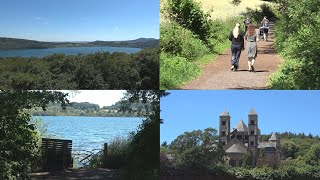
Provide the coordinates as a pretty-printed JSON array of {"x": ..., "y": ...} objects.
[{"x": 99, "y": 173}]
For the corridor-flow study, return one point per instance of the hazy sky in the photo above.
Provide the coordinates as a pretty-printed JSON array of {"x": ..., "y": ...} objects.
[
  {"x": 79, "y": 20},
  {"x": 279, "y": 111},
  {"x": 100, "y": 97}
]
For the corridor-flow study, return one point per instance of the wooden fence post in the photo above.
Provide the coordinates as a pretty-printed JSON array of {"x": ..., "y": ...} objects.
[
  {"x": 105, "y": 153},
  {"x": 105, "y": 149}
]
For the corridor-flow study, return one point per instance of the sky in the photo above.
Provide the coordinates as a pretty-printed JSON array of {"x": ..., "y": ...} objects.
[
  {"x": 278, "y": 111},
  {"x": 100, "y": 97},
  {"x": 79, "y": 20}
]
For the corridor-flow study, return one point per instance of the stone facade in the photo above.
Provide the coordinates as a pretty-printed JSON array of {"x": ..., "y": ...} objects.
[{"x": 242, "y": 138}]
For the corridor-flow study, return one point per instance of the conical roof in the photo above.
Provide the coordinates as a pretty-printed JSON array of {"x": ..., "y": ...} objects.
[
  {"x": 252, "y": 112},
  {"x": 236, "y": 148},
  {"x": 224, "y": 114},
  {"x": 241, "y": 127},
  {"x": 273, "y": 137}
]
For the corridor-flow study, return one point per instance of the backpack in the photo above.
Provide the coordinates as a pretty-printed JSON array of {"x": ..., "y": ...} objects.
[{"x": 265, "y": 23}]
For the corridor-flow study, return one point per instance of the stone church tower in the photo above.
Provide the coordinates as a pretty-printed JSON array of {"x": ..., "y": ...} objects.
[
  {"x": 242, "y": 138},
  {"x": 224, "y": 128},
  {"x": 253, "y": 132}
]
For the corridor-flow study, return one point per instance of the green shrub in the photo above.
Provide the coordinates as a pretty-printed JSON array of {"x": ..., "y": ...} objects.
[
  {"x": 176, "y": 70},
  {"x": 115, "y": 158},
  {"x": 301, "y": 52},
  {"x": 286, "y": 76},
  {"x": 219, "y": 32},
  {"x": 179, "y": 41},
  {"x": 189, "y": 14},
  {"x": 296, "y": 41}
]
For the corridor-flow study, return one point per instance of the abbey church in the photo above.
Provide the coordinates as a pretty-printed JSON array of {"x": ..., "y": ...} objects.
[{"x": 243, "y": 138}]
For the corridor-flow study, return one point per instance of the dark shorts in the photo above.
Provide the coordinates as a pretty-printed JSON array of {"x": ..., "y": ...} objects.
[{"x": 265, "y": 30}]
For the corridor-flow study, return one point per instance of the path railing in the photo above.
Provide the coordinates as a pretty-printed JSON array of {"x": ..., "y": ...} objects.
[{"x": 85, "y": 156}]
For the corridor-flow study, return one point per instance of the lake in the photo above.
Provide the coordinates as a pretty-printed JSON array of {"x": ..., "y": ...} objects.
[
  {"x": 88, "y": 133},
  {"x": 64, "y": 50}
]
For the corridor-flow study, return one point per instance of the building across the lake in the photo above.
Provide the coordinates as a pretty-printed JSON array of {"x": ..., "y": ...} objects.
[{"x": 242, "y": 138}]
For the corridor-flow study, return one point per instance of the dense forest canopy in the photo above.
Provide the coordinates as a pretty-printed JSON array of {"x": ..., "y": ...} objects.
[
  {"x": 300, "y": 157},
  {"x": 14, "y": 43},
  {"x": 101, "y": 70}
]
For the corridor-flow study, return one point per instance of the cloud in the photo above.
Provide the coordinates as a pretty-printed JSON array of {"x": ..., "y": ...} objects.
[
  {"x": 100, "y": 97},
  {"x": 43, "y": 21},
  {"x": 116, "y": 28}
]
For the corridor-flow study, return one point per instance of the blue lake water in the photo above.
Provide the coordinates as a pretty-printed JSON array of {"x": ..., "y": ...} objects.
[
  {"x": 88, "y": 133},
  {"x": 64, "y": 50}
]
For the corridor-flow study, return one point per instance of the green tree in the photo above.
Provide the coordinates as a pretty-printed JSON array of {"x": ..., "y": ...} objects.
[
  {"x": 313, "y": 155},
  {"x": 188, "y": 140},
  {"x": 164, "y": 144},
  {"x": 143, "y": 155},
  {"x": 247, "y": 161},
  {"x": 18, "y": 138},
  {"x": 289, "y": 149},
  {"x": 198, "y": 149}
]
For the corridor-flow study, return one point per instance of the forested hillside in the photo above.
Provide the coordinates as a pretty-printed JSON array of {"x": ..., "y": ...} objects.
[
  {"x": 13, "y": 43},
  {"x": 100, "y": 70},
  {"x": 138, "y": 43},
  {"x": 89, "y": 109}
]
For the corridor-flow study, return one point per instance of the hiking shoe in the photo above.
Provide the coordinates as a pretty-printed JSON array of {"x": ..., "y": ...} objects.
[
  {"x": 252, "y": 68},
  {"x": 232, "y": 68}
]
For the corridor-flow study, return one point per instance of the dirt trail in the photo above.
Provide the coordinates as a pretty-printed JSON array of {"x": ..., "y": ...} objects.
[
  {"x": 73, "y": 174},
  {"x": 217, "y": 74}
]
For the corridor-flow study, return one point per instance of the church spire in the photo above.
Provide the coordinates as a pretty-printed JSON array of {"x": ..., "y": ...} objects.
[
  {"x": 252, "y": 112},
  {"x": 273, "y": 137}
]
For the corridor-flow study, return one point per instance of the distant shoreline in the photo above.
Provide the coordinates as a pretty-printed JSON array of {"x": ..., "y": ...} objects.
[
  {"x": 15, "y": 44},
  {"x": 67, "y": 51},
  {"x": 93, "y": 116}
]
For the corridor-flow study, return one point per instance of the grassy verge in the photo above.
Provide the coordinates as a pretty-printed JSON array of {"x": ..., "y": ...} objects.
[
  {"x": 176, "y": 70},
  {"x": 183, "y": 53}
]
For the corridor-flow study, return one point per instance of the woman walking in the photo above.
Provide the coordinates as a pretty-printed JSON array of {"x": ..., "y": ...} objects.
[
  {"x": 265, "y": 28},
  {"x": 237, "y": 39},
  {"x": 251, "y": 46}
]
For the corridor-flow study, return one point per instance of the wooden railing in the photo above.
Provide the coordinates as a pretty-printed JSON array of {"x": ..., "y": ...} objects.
[
  {"x": 85, "y": 156},
  {"x": 56, "y": 154}
]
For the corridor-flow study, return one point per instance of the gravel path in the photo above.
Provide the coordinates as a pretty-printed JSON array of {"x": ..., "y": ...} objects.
[{"x": 217, "y": 74}]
